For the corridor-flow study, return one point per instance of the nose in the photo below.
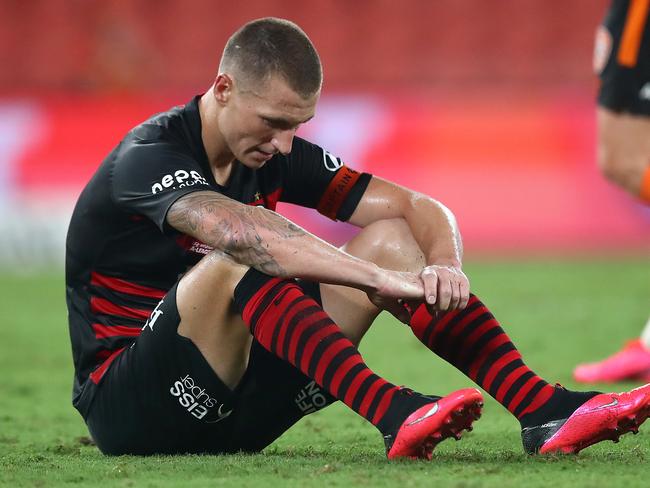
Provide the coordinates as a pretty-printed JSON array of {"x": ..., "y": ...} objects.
[{"x": 283, "y": 140}]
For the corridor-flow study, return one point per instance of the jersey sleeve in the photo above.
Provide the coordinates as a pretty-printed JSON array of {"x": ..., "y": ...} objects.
[
  {"x": 147, "y": 178},
  {"x": 315, "y": 178}
]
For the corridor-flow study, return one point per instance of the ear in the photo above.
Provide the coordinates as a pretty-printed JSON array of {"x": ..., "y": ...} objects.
[{"x": 222, "y": 88}]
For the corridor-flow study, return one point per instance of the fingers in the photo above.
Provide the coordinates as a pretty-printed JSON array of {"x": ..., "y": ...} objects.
[
  {"x": 445, "y": 293},
  {"x": 464, "y": 293},
  {"x": 429, "y": 278},
  {"x": 455, "y": 295},
  {"x": 446, "y": 288}
]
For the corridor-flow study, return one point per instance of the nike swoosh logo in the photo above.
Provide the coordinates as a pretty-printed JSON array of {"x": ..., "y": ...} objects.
[
  {"x": 432, "y": 411},
  {"x": 613, "y": 403},
  {"x": 222, "y": 415}
]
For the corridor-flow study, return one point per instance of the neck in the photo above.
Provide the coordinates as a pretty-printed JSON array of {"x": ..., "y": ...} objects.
[{"x": 219, "y": 155}]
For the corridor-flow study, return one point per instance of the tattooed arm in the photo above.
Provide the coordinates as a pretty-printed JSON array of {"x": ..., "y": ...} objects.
[{"x": 266, "y": 241}]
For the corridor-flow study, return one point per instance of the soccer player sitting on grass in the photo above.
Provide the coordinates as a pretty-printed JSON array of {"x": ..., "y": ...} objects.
[{"x": 204, "y": 322}]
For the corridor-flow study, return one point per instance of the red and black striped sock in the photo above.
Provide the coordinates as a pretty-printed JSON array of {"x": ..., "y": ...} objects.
[
  {"x": 473, "y": 341},
  {"x": 294, "y": 327}
]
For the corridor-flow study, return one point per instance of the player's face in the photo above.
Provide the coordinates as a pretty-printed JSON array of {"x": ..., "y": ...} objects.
[{"x": 261, "y": 122}]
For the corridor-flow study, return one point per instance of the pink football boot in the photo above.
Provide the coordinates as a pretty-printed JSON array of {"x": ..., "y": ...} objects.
[
  {"x": 632, "y": 363},
  {"x": 605, "y": 416},
  {"x": 429, "y": 425}
]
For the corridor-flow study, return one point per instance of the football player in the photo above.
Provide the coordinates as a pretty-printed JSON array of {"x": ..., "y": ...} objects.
[{"x": 203, "y": 321}]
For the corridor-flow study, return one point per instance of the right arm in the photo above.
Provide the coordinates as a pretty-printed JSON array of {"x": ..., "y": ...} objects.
[{"x": 264, "y": 240}]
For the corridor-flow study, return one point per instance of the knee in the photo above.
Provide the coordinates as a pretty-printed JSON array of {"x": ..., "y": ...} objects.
[
  {"x": 388, "y": 243},
  {"x": 624, "y": 170},
  {"x": 609, "y": 163},
  {"x": 205, "y": 302},
  {"x": 216, "y": 272}
]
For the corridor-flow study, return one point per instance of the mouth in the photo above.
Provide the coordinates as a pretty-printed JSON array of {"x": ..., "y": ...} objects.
[{"x": 263, "y": 155}]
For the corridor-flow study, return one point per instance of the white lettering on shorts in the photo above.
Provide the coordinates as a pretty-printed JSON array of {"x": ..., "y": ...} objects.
[
  {"x": 197, "y": 402},
  {"x": 178, "y": 179}
]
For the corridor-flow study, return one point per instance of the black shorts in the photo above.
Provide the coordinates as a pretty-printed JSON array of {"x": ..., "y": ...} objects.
[
  {"x": 160, "y": 396},
  {"x": 622, "y": 58}
]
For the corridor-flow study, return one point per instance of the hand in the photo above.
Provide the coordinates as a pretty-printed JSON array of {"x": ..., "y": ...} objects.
[
  {"x": 393, "y": 288},
  {"x": 445, "y": 287}
]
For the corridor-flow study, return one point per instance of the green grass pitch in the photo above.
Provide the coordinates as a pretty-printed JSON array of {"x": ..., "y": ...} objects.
[{"x": 558, "y": 312}]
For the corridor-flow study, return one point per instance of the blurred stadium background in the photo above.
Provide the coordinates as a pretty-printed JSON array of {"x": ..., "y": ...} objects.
[{"x": 485, "y": 105}]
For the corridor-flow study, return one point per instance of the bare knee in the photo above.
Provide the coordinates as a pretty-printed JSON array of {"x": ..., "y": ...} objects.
[
  {"x": 209, "y": 318},
  {"x": 606, "y": 162},
  {"x": 205, "y": 293},
  {"x": 215, "y": 273},
  {"x": 621, "y": 168},
  {"x": 623, "y": 152},
  {"x": 388, "y": 243}
]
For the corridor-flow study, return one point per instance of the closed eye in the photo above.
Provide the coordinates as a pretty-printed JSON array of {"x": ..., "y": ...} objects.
[
  {"x": 278, "y": 123},
  {"x": 282, "y": 124}
]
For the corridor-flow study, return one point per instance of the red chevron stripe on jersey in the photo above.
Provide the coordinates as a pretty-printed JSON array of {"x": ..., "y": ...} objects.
[
  {"x": 104, "y": 331},
  {"x": 103, "y": 306},
  {"x": 99, "y": 373},
  {"x": 123, "y": 286}
]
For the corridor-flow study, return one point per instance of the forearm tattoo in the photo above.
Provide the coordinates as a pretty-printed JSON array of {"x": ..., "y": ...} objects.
[{"x": 239, "y": 230}]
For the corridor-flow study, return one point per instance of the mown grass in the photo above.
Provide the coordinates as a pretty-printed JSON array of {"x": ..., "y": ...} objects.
[{"x": 559, "y": 312}]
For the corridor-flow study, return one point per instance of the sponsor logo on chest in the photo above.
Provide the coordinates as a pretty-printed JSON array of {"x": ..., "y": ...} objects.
[
  {"x": 178, "y": 179},
  {"x": 200, "y": 248}
]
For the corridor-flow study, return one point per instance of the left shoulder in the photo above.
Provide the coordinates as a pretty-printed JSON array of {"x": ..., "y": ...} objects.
[{"x": 304, "y": 151}]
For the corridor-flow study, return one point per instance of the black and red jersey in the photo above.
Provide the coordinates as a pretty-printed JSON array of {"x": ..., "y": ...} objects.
[{"x": 122, "y": 257}]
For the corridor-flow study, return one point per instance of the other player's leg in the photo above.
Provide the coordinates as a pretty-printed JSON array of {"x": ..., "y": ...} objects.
[
  {"x": 624, "y": 158},
  {"x": 623, "y": 150},
  {"x": 622, "y": 61},
  {"x": 631, "y": 363}
]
